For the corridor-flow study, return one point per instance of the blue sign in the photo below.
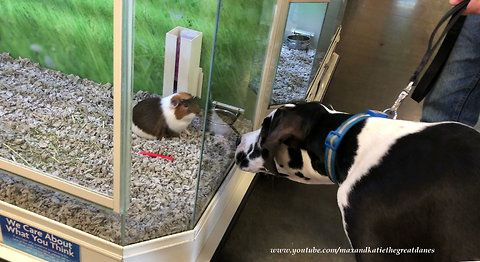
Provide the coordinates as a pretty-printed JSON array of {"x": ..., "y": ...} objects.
[{"x": 38, "y": 242}]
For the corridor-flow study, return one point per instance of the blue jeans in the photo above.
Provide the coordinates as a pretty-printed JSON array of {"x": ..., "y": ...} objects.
[{"x": 456, "y": 94}]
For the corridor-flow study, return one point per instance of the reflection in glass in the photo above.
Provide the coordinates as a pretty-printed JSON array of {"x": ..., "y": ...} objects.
[{"x": 299, "y": 48}]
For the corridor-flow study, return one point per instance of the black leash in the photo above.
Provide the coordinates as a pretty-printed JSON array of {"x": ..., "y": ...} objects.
[
  {"x": 449, "y": 36},
  {"x": 433, "y": 71}
]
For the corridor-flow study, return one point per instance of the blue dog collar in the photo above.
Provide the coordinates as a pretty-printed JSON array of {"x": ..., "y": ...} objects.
[{"x": 335, "y": 137}]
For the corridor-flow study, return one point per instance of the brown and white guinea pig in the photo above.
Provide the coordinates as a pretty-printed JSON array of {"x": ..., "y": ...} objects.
[{"x": 156, "y": 117}]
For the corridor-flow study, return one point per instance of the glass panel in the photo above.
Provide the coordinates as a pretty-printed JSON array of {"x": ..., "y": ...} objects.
[
  {"x": 163, "y": 190},
  {"x": 55, "y": 93},
  {"x": 302, "y": 33},
  {"x": 243, "y": 31}
]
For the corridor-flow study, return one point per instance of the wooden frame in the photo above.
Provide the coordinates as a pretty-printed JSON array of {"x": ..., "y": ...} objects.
[
  {"x": 56, "y": 183},
  {"x": 123, "y": 17},
  {"x": 319, "y": 84}
]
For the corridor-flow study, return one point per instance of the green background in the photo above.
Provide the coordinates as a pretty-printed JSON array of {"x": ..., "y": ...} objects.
[{"x": 75, "y": 37}]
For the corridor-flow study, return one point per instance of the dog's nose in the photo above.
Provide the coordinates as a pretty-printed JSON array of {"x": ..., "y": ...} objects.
[{"x": 239, "y": 140}]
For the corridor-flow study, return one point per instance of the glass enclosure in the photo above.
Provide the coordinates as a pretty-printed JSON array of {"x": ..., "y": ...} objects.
[
  {"x": 57, "y": 116},
  {"x": 67, "y": 95},
  {"x": 302, "y": 34},
  {"x": 299, "y": 48}
]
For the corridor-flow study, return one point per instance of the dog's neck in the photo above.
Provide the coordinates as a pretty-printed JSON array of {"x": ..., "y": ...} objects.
[{"x": 345, "y": 152}]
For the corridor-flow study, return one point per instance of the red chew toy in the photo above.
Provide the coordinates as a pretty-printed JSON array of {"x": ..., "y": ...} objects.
[{"x": 155, "y": 155}]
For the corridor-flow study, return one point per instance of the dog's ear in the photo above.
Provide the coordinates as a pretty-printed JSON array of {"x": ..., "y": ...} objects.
[{"x": 285, "y": 126}]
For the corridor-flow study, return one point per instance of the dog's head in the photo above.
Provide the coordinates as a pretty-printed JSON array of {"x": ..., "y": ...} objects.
[{"x": 287, "y": 144}]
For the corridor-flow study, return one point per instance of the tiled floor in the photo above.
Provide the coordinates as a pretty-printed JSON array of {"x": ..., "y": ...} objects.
[{"x": 381, "y": 44}]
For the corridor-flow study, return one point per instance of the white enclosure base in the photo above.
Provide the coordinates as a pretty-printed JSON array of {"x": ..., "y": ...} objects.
[
  {"x": 12, "y": 254},
  {"x": 197, "y": 244}
]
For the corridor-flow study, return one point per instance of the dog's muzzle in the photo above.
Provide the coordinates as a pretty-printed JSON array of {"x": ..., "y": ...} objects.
[{"x": 248, "y": 154}]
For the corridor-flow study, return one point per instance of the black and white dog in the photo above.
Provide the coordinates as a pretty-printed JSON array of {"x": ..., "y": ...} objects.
[{"x": 402, "y": 184}]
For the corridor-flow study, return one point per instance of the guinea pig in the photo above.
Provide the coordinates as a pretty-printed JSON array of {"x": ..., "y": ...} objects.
[{"x": 155, "y": 117}]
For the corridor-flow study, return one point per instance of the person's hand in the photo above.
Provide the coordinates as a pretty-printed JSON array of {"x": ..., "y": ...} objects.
[{"x": 472, "y": 8}]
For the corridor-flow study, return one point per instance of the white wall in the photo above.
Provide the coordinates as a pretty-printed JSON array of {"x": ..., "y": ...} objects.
[{"x": 306, "y": 17}]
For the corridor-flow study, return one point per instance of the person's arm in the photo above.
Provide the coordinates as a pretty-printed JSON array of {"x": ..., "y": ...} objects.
[{"x": 472, "y": 8}]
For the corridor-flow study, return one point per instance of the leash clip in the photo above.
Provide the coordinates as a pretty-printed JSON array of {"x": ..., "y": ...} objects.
[
  {"x": 455, "y": 13},
  {"x": 392, "y": 111}
]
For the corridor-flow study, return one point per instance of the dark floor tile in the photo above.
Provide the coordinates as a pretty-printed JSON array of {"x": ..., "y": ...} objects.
[{"x": 284, "y": 214}]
